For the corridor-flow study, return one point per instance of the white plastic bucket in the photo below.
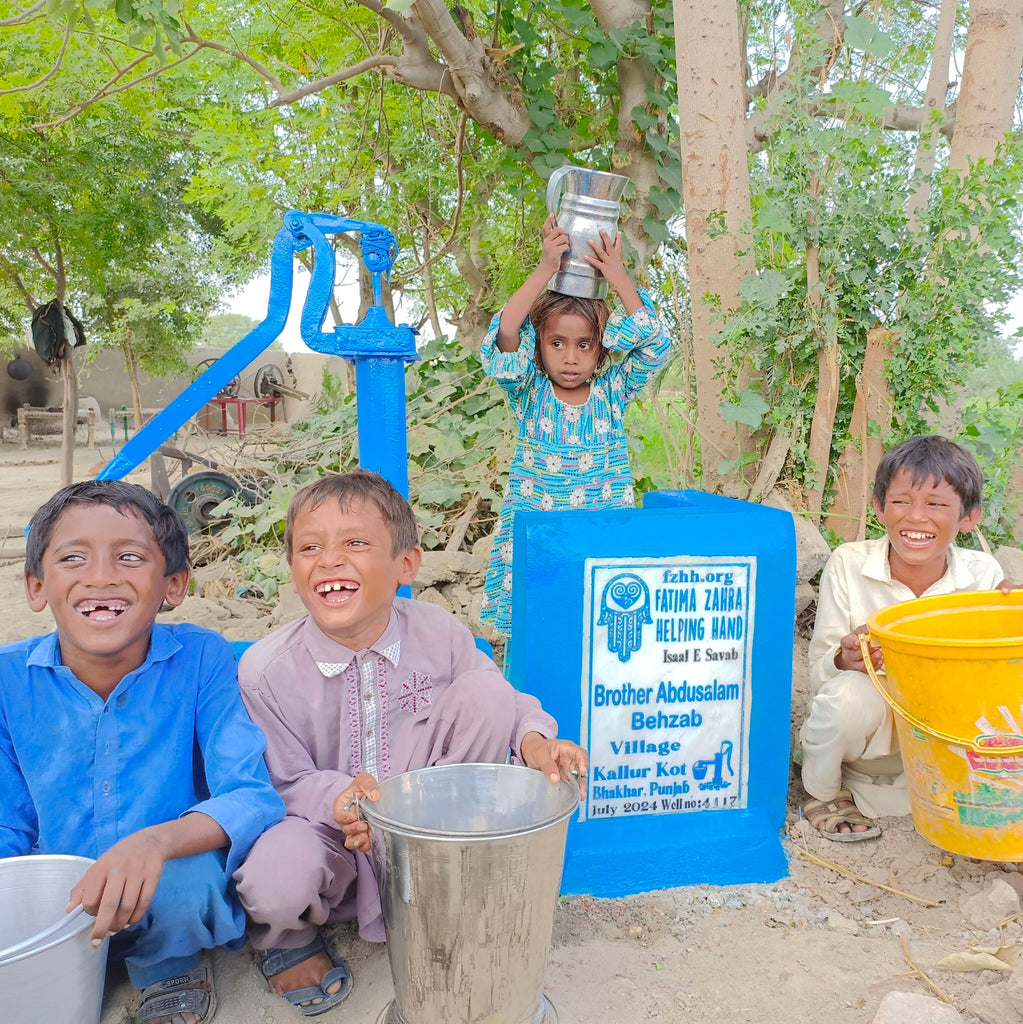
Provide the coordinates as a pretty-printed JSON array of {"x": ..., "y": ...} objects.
[{"x": 59, "y": 978}]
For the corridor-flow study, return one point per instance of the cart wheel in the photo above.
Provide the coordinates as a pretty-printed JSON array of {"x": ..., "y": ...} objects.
[
  {"x": 229, "y": 390},
  {"x": 268, "y": 382},
  {"x": 196, "y": 496}
]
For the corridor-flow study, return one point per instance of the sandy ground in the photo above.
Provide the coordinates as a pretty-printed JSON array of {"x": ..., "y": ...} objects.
[{"x": 815, "y": 946}]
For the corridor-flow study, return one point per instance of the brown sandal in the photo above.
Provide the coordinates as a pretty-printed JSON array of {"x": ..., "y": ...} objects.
[
  {"x": 827, "y": 815},
  {"x": 188, "y": 993}
]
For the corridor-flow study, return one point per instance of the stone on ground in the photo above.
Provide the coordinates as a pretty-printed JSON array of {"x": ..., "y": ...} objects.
[
  {"x": 914, "y": 1008},
  {"x": 991, "y": 1005},
  {"x": 988, "y": 908}
]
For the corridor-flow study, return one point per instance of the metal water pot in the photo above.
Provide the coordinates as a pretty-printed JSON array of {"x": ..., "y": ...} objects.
[
  {"x": 583, "y": 202},
  {"x": 469, "y": 863}
]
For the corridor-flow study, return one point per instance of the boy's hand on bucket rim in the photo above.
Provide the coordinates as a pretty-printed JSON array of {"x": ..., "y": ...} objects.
[
  {"x": 356, "y": 831},
  {"x": 849, "y": 657},
  {"x": 1007, "y": 585},
  {"x": 557, "y": 759},
  {"x": 119, "y": 887}
]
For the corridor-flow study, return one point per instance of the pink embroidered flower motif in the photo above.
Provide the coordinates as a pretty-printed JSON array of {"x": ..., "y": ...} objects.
[{"x": 416, "y": 693}]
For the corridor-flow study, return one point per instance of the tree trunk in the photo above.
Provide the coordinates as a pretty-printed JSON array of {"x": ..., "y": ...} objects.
[
  {"x": 472, "y": 322},
  {"x": 991, "y": 68},
  {"x": 934, "y": 99},
  {"x": 822, "y": 426},
  {"x": 131, "y": 365},
  {"x": 847, "y": 516},
  {"x": 67, "y": 440},
  {"x": 637, "y": 77},
  {"x": 431, "y": 301},
  {"x": 715, "y": 193}
]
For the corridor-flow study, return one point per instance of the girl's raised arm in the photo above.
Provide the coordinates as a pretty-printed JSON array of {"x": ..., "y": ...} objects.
[{"x": 513, "y": 316}]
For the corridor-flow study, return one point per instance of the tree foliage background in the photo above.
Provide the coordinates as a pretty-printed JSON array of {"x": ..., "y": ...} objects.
[{"x": 865, "y": 208}]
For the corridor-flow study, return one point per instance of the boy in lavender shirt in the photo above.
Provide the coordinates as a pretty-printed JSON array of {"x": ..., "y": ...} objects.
[{"x": 366, "y": 686}]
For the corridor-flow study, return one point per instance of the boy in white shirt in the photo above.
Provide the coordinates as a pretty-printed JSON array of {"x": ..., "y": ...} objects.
[{"x": 927, "y": 490}]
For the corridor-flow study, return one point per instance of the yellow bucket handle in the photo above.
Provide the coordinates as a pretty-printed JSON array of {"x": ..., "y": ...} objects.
[{"x": 917, "y": 724}]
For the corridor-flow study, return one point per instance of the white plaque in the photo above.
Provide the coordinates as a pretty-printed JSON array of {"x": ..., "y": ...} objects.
[{"x": 667, "y": 649}]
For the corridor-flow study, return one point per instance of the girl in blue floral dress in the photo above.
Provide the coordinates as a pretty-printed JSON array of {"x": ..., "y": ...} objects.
[{"x": 551, "y": 355}]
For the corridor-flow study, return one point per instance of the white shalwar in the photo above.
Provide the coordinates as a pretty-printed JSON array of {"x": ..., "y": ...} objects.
[{"x": 848, "y": 738}]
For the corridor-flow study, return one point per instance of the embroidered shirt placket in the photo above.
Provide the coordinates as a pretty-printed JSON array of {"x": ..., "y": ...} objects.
[{"x": 370, "y": 668}]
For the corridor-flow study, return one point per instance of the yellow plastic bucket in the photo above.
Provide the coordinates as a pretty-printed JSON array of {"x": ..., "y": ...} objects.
[{"x": 954, "y": 678}]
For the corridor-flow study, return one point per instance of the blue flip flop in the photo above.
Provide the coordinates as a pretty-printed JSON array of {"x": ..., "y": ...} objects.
[{"x": 273, "y": 961}]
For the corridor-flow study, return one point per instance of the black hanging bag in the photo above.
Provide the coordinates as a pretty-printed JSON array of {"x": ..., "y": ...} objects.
[{"x": 51, "y": 325}]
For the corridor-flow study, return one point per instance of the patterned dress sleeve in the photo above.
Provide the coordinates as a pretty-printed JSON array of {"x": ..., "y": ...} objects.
[
  {"x": 644, "y": 340},
  {"x": 514, "y": 371}
]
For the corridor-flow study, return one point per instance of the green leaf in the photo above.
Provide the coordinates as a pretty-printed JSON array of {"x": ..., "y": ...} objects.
[
  {"x": 750, "y": 410},
  {"x": 577, "y": 17},
  {"x": 535, "y": 141},
  {"x": 768, "y": 286},
  {"x": 729, "y": 466},
  {"x": 546, "y": 163},
  {"x": 656, "y": 229},
  {"x": 864, "y": 34},
  {"x": 773, "y": 217},
  {"x": 666, "y": 203},
  {"x": 439, "y": 491},
  {"x": 862, "y": 96},
  {"x": 669, "y": 170},
  {"x": 642, "y": 119},
  {"x": 603, "y": 55}
]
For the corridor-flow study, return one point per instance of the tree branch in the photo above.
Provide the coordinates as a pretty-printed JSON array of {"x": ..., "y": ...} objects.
[
  {"x": 404, "y": 27},
  {"x": 19, "y": 284},
  {"x": 44, "y": 263},
  {"x": 635, "y": 76},
  {"x": 61, "y": 271},
  {"x": 22, "y": 16},
  {"x": 491, "y": 102},
  {"x": 49, "y": 74},
  {"x": 260, "y": 69},
  {"x": 831, "y": 29},
  {"x": 429, "y": 260},
  {"x": 900, "y": 118},
  {"x": 294, "y": 95},
  {"x": 107, "y": 89}
]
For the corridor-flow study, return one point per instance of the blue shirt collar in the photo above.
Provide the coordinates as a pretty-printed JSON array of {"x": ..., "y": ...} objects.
[{"x": 162, "y": 645}]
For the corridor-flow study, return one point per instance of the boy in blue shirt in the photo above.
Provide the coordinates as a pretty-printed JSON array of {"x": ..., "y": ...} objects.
[{"x": 127, "y": 742}]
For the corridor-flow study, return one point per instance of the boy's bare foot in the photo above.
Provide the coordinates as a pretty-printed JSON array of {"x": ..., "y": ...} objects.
[
  {"x": 313, "y": 977},
  {"x": 839, "y": 820}
]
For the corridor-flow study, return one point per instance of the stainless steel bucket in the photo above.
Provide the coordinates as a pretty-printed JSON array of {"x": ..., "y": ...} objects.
[
  {"x": 47, "y": 975},
  {"x": 584, "y": 202},
  {"x": 469, "y": 862}
]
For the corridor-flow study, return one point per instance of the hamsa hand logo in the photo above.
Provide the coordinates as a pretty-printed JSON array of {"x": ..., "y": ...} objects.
[{"x": 624, "y": 609}]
